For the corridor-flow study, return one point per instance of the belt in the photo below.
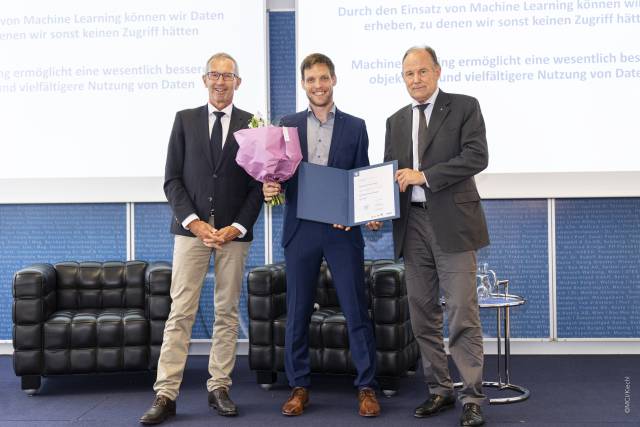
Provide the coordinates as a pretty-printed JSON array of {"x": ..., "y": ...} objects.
[{"x": 421, "y": 205}]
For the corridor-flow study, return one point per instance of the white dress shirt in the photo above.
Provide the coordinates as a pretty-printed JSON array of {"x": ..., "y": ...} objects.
[
  {"x": 224, "y": 121},
  {"x": 417, "y": 194}
]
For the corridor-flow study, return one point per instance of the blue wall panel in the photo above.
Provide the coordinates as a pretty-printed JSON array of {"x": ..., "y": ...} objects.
[
  {"x": 282, "y": 67},
  {"x": 277, "y": 217},
  {"x": 518, "y": 230},
  {"x": 53, "y": 233},
  {"x": 155, "y": 242},
  {"x": 598, "y": 268}
]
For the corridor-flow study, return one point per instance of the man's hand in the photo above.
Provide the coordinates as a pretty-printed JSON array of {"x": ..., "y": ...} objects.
[
  {"x": 205, "y": 232},
  {"x": 407, "y": 177},
  {"x": 270, "y": 190},
  {"x": 227, "y": 234},
  {"x": 374, "y": 225},
  {"x": 341, "y": 227}
]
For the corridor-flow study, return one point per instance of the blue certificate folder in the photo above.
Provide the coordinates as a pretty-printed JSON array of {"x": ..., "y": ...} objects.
[{"x": 325, "y": 194}]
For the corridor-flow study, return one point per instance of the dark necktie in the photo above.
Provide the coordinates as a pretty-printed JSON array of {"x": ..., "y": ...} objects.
[
  {"x": 422, "y": 131},
  {"x": 216, "y": 138}
]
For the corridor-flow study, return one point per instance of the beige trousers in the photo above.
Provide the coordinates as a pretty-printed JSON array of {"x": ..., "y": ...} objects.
[{"x": 190, "y": 265}]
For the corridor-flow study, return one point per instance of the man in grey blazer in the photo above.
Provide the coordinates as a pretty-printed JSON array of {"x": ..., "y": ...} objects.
[
  {"x": 215, "y": 204},
  {"x": 439, "y": 142}
]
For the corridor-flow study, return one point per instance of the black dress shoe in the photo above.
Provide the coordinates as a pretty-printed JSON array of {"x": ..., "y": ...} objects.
[
  {"x": 161, "y": 409},
  {"x": 471, "y": 415},
  {"x": 220, "y": 401},
  {"x": 434, "y": 404}
]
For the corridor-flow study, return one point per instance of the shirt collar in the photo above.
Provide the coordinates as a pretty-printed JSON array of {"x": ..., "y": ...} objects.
[
  {"x": 227, "y": 110},
  {"x": 431, "y": 99},
  {"x": 331, "y": 114}
]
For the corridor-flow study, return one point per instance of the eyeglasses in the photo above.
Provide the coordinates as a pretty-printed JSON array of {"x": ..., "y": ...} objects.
[{"x": 215, "y": 76}]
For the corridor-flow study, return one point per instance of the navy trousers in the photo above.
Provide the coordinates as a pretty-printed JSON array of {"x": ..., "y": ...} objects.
[{"x": 345, "y": 257}]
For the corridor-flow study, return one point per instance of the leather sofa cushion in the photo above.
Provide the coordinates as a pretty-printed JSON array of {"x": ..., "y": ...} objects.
[
  {"x": 111, "y": 327},
  {"x": 96, "y": 340},
  {"x": 99, "y": 285}
]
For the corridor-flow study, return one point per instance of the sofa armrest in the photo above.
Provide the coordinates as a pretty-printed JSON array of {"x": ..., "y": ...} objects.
[
  {"x": 267, "y": 288},
  {"x": 390, "y": 307},
  {"x": 389, "y": 294},
  {"x": 158, "y": 305},
  {"x": 158, "y": 290},
  {"x": 34, "y": 300}
]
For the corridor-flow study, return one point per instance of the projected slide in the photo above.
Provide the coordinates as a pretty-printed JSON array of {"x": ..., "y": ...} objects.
[
  {"x": 558, "y": 81},
  {"x": 90, "y": 89}
]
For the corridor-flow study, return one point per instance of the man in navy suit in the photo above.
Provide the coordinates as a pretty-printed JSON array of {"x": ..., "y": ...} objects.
[
  {"x": 215, "y": 204},
  {"x": 328, "y": 137}
]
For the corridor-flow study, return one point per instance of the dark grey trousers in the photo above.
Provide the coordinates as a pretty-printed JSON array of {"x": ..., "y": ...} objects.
[{"x": 430, "y": 272}]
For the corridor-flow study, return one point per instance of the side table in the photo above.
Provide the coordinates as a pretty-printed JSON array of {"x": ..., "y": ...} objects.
[{"x": 502, "y": 302}]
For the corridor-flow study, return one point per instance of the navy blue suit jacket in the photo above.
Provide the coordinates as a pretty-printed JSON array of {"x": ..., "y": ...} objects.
[{"x": 349, "y": 150}]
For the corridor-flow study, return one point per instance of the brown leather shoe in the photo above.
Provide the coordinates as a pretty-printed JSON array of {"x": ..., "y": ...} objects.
[
  {"x": 369, "y": 406},
  {"x": 296, "y": 403}
]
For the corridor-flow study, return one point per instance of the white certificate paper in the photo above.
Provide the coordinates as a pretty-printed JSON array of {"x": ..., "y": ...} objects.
[{"x": 373, "y": 193}]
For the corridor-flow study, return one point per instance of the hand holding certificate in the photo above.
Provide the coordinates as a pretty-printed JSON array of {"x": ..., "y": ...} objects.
[
  {"x": 348, "y": 197},
  {"x": 373, "y": 193}
]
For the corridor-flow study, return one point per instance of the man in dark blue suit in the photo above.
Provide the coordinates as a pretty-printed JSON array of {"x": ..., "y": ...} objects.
[{"x": 328, "y": 137}]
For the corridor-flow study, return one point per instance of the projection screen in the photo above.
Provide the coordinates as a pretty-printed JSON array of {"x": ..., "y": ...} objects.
[
  {"x": 558, "y": 82},
  {"x": 89, "y": 90}
]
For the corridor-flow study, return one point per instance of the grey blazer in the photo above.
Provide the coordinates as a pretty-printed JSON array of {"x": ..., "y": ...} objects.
[{"x": 456, "y": 150}]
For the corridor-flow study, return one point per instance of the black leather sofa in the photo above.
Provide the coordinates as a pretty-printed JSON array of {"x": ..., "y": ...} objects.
[
  {"x": 88, "y": 317},
  {"x": 396, "y": 348}
]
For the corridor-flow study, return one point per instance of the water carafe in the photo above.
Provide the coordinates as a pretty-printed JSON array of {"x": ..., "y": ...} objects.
[{"x": 486, "y": 281}]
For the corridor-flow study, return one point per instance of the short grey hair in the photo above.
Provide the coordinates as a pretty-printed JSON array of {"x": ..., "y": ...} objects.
[
  {"x": 425, "y": 48},
  {"x": 222, "y": 55}
]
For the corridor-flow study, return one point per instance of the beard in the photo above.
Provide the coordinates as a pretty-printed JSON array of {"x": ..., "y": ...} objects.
[{"x": 327, "y": 100}]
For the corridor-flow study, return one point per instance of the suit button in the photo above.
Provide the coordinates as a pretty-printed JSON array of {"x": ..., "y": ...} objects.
[
  {"x": 215, "y": 175},
  {"x": 211, "y": 199}
]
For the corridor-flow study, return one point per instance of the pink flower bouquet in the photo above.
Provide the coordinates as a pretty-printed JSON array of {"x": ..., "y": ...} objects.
[{"x": 269, "y": 153}]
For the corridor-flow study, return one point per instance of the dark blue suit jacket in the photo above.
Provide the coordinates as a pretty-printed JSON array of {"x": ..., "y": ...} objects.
[
  {"x": 193, "y": 184},
  {"x": 349, "y": 150}
]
